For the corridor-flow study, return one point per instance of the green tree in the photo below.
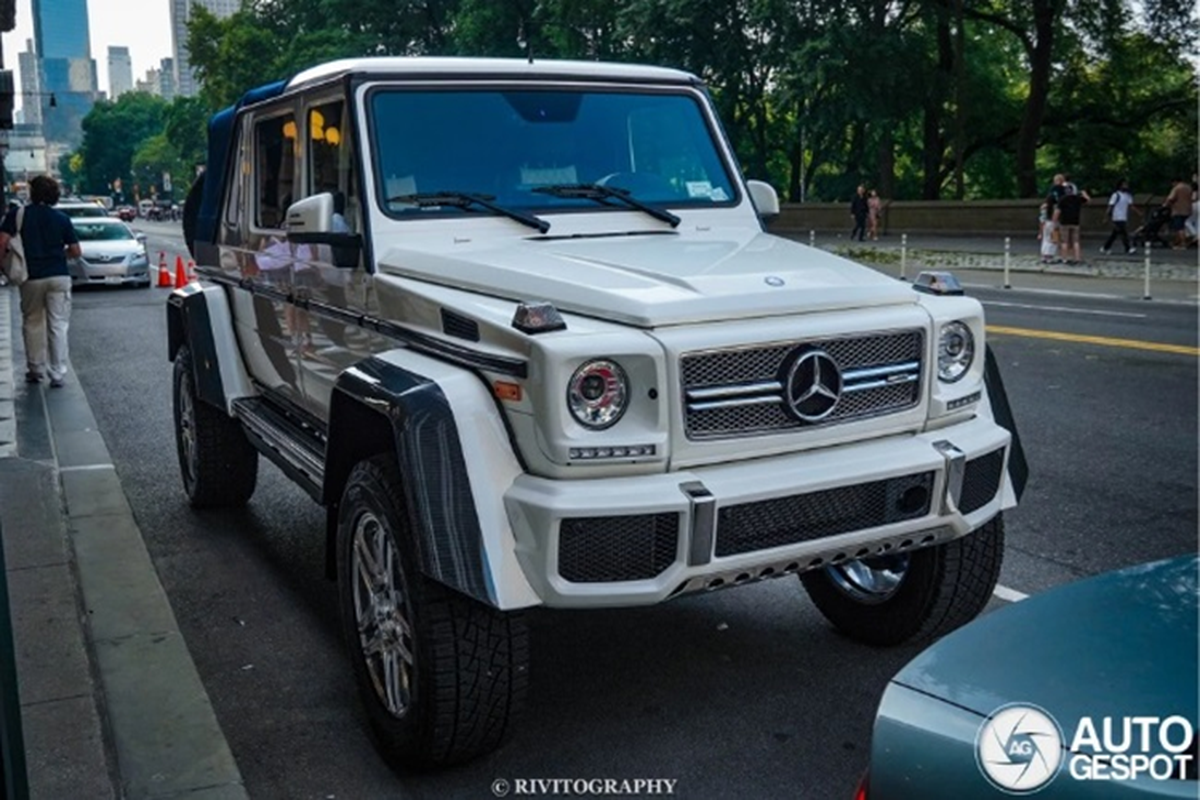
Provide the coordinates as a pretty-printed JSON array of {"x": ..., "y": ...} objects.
[
  {"x": 112, "y": 133},
  {"x": 156, "y": 157}
]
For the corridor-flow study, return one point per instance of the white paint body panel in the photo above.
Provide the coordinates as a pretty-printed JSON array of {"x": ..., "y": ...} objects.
[{"x": 537, "y": 506}]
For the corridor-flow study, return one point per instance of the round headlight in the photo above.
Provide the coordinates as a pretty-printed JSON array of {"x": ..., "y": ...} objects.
[
  {"x": 956, "y": 351},
  {"x": 598, "y": 394}
]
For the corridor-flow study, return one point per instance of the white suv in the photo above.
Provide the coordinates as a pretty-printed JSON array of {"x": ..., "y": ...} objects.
[{"x": 519, "y": 328}]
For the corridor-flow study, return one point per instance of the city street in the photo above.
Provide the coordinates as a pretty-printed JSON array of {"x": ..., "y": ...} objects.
[{"x": 743, "y": 693}]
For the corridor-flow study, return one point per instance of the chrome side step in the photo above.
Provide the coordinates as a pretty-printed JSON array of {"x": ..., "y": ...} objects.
[{"x": 296, "y": 450}]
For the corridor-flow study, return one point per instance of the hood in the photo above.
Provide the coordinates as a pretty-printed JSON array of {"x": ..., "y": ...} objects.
[
  {"x": 1120, "y": 644},
  {"x": 652, "y": 279}
]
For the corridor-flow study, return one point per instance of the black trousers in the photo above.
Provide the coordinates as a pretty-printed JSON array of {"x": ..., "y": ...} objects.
[
  {"x": 1118, "y": 230},
  {"x": 860, "y": 226}
]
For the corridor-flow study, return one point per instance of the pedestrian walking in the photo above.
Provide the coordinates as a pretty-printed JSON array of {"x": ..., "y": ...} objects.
[
  {"x": 1068, "y": 213},
  {"x": 49, "y": 240},
  {"x": 859, "y": 209},
  {"x": 874, "y": 211},
  {"x": 1179, "y": 202},
  {"x": 1119, "y": 206},
  {"x": 1050, "y": 232}
]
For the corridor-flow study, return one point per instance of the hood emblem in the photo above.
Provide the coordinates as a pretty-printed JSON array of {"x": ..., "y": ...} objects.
[
  {"x": 773, "y": 280},
  {"x": 813, "y": 386}
]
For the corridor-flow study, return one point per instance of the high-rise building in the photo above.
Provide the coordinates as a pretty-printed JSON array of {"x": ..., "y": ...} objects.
[
  {"x": 67, "y": 72},
  {"x": 181, "y": 12},
  {"x": 166, "y": 79},
  {"x": 120, "y": 72},
  {"x": 31, "y": 87}
]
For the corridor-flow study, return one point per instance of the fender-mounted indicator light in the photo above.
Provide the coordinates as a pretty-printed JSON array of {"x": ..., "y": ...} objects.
[
  {"x": 507, "y": 391},
  {"x": 538, "y": 318}
]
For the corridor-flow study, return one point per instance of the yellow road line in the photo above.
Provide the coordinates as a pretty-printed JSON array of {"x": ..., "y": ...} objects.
[{"x": 1104, "y": 341}]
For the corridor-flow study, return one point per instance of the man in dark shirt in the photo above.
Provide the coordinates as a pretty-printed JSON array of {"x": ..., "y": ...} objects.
[
  {"x": 1069, "y": 209},
  {"x": 49, "y": 240},
  {"x": 859, "y": 209}
]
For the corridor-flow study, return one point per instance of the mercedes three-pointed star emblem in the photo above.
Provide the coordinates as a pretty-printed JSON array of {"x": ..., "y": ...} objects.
[{"x": 813, "y": 386}]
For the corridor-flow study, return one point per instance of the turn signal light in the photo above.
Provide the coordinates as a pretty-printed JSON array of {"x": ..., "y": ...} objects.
[{"x": 507, "y": 391}]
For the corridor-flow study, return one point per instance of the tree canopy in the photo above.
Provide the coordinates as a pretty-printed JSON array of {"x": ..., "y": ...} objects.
[{"x": 920, "y": 98}]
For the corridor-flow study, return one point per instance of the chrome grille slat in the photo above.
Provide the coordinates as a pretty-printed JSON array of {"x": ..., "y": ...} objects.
[{"x": 740, "y": 391}]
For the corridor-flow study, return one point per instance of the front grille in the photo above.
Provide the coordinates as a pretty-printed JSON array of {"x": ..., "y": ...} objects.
[
  {"x": 606, "y": 549},
  {"x": 981, "y": 481},
  {"x": 740, "y": 392},
  {"x": 804, "y": 517}
]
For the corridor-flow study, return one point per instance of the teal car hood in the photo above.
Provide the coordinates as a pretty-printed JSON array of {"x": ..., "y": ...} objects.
[{"x": 1123, "y": 643}]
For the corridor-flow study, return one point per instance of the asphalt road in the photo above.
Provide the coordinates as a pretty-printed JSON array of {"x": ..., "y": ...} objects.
[{"x": 743, "y": 693}]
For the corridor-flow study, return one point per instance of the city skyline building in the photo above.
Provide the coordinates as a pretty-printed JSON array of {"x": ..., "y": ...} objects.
[
  {"x": 181, "y": 12},
  {"x": 27, "y": 60},
  {"x": 66, "y": 71},
  {"x": 120, "y": 72}
]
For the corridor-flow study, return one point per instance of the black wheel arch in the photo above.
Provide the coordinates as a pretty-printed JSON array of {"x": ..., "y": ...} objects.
[{"x": 379, "y": 407}]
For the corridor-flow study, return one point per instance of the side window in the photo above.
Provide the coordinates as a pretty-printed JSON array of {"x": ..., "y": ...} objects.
[
  {"x": 239, "y": 171},
  {"x": 331, "y": 160},
  {"x": 274, "y": 169}
]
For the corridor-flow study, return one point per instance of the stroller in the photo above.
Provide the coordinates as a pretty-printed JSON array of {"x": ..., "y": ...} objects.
[{"x": 1151, "y": 230}]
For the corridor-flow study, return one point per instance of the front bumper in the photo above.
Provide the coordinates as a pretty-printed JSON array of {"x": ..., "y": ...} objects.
[
  {"x": 642, "y": 540},
  {"x": 118, "y": 274}
]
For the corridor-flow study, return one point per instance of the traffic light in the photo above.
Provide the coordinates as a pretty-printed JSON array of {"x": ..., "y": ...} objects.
[
  {"x": 6, "y": 98},
  {"x": 8, "y": 15}
]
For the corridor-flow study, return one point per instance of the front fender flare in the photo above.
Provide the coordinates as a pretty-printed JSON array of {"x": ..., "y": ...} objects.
[{"x": 429, "y": 414}]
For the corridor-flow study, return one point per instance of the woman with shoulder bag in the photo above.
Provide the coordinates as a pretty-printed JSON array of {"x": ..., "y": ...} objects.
[{"x": 48, "y": 239}]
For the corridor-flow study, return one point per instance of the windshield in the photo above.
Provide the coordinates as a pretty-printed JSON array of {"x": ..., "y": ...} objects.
[
  {"x": 505, "y": 144},
  {"x": 102, "y": 231}
]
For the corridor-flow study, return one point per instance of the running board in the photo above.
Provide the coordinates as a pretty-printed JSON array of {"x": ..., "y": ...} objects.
[{"x": 293, "y": 448}]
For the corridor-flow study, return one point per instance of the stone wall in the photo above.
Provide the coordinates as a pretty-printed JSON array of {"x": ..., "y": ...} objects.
[{"x": 946, "y": 217}]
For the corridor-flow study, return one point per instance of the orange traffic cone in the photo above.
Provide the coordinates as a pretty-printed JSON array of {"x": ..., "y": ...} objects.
[
  {"x": 181, "y": 277},
  {"x": 164, "y": 273},
  {"x": 191, "y": 270}
]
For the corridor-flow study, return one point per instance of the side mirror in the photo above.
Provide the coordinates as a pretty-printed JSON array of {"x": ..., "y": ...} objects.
[
  {"x": 310, "y": 221},
  {"x": 313, "y": 214},
  {"x": 764, "y": 198},
  {"x": 141, "y": 238}
]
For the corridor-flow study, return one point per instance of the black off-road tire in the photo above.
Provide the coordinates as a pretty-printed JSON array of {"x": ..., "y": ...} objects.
[
  {"x": 470, "y": 666},
  {"x": 221, "y": 469},
  {"x": 944, "y": 587}
]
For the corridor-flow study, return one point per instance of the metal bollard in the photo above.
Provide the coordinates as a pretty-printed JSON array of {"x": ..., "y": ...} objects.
[
  {"x": 1007, "y": 260},
  {"x": 903, "y": 256},
  {"x": 812, "y": 238},
  {"x": 1146, "y": 275}
]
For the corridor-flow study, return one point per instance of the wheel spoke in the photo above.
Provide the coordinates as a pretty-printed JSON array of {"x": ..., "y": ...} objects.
[
  {"x": 372, "y": 645},
  {"x": 368, "y": 564},
  {"x": 870, "y": 580}
]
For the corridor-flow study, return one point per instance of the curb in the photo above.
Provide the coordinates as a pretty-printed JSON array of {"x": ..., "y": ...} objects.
[{"x": 155, "y": 727}]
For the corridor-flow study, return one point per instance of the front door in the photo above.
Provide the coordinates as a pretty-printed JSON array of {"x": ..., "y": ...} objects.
[
  {"x": 322, "y": 275},
  {"x": 255, "y": 247}
]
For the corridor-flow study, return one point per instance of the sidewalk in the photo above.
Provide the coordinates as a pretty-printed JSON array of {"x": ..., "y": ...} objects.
[
  {"x": 111, "y": 704},
  {"x": 1173, "y": 274}
]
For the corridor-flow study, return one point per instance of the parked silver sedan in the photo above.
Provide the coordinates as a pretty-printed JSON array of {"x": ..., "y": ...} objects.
[{"x": 113, "y": 254}]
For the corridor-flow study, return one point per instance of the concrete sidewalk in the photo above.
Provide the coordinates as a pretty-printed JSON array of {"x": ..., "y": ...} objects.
[
  {"x": 111, "y": 704},
  {"x": 1163, "y": 274}
]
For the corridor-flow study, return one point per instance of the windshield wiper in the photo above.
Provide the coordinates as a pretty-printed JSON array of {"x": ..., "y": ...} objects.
[
  {"x": 596, "y": 191},
  {"x": 466, "y": 200}
]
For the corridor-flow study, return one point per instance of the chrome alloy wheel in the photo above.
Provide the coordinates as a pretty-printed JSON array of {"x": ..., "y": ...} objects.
[
  {"x": 187, "y": 430},
  {"x": 380, "y": 611},
  {"x": 870, "y": 580}
]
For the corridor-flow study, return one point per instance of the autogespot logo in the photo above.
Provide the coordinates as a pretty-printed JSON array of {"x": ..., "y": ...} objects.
[{"x": 1019, "y": 748}]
